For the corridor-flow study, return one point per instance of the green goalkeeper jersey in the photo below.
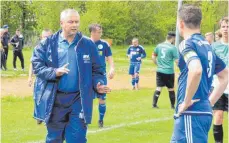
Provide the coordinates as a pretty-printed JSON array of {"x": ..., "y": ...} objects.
[
  {"x": 166, "y": 54},
  {"x": 221, "y": 50}
]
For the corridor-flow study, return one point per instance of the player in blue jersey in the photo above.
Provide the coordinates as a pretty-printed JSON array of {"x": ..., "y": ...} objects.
[
  {"x": 135, "y": 53},
  {"x": 197, "y": 63},
  {"x": 105, "y": 54}
]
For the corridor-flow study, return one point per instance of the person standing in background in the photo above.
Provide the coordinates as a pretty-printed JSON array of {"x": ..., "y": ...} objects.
[{"x": 18, "y": 43}]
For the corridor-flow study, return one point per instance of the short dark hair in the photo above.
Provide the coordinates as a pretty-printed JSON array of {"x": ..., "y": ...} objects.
[
  {"x": 170, "y": 35},
  {"x": 17, "y": 29},
  {"x": 225, "y": 18},
  {"x": 191, "y": 15},
  {"x": 93, "y": 27}
]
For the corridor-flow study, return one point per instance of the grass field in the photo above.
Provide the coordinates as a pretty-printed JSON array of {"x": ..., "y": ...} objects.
[{"x": 129, "y": 117}]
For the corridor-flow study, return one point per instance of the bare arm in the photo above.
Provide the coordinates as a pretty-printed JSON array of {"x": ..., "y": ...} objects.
[
  {"x": 154, "y": 58},
  {"x": 219, "y": 89},
  {"x": 30, "y": 79},
  {"x": 193, "y": 81},
  {"x": 176, "y": 61},
  {"x": 111, "y": 64}
]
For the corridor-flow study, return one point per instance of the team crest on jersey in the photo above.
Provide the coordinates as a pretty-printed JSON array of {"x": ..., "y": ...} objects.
[
  {"x": 100, "y": 46},
  {"x": 138, "y": 49},
  {"x": 86, "y": 58}
]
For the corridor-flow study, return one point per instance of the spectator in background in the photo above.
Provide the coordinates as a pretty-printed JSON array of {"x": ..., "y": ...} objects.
[
  {"x": 3, "y": 55},
  {"x": 18, "y": 43},
  {"x": 209, "y": 37},
  {"x": 45, "y": 33},
  {"x": 5, "y": 40}
]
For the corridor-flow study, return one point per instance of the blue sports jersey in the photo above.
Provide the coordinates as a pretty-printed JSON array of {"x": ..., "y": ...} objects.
[
  {"x": 104, "y": 51},
  {"x": 135, "y": 52},
  {"x": 196, "y": 47}
]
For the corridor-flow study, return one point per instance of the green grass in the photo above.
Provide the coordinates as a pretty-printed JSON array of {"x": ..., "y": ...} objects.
[
  {"x": 127, "y": 110},
  {"x": 123, "y": 107}
]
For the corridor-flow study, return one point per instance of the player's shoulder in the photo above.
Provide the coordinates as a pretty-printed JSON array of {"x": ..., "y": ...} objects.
[
  {"x": 130, "y": 46},
  {"x": 140, "y": 46},
  {"x": 216, "y": 44},
  {"x": 188, "y": 43},
  {"x": 105, "y": 43},
  {"x": 198, "y": 40},
  {"x": 182, "y": 46},
  {"x": 159, "y": 45}
]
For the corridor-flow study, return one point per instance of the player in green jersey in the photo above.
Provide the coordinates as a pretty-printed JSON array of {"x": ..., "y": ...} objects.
[
  {"x": 221, "y": 49},
  {"x": 164, "y": 56}
]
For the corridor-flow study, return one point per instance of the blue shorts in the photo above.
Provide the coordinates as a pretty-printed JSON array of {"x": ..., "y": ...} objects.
[
  {"x": 134, "y": 68},
  {"x": 191, "y": 129},
  {"x": 102, "y": 96}
]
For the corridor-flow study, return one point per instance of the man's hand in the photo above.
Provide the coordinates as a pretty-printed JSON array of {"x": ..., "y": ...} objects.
[
  {"x": 129, "y": 56},
  {"x": 184, "y": 105},
  {"x": 111, "y": 73},
  {"x": 62, "y": 70},
  {"x": 139, "y": 58},
  {"x": 17, "y": 44},
  {"x": 103, "y": 88},
  {"x": 30, "y": 81}
]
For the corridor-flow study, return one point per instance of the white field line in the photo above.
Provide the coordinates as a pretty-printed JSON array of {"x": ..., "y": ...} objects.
[{"x": 119, "y": 126}]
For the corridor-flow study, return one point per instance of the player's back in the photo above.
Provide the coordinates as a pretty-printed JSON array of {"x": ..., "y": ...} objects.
[
  {"x": 166, "y": 54},
  {"x": 187, "y": 49}
]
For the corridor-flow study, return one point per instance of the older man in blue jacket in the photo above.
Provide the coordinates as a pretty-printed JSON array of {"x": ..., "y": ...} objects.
[{"x": 68, "y": 71}]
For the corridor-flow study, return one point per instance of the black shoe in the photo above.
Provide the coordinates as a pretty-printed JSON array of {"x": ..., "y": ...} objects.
[
  {"x": 172, "y": 107},
  {"x": 100, "y": 123},
  {"x": 155, "y": 106},
  {"x": 39, "y": 122}
]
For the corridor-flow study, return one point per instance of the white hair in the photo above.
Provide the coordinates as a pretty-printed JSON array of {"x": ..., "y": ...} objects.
[
  {"x": 135, "y": 39},
  {"x": 66, "y": 12}
]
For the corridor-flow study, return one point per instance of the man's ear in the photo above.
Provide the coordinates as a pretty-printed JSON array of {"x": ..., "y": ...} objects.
[{"x": 181, "y": 24}]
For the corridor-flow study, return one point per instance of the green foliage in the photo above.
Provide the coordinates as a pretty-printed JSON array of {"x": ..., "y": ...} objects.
[{"x": 121, "y": 20}]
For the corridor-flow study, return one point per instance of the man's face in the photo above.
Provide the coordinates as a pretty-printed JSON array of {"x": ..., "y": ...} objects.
[
  {"x": 45, "y": 35},
  {"x": 224, "y": 29},
  {"x": 70, "y": 24},
  {"x": 18, "y": 33},
  {"x": 97, "y": 34},
  {"x": 135, "y": 43}
]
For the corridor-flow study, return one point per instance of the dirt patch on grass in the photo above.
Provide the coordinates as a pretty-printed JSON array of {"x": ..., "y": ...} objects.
[
  {"x": 19, "y": 86},
  {"x": 15, "y": 87}
]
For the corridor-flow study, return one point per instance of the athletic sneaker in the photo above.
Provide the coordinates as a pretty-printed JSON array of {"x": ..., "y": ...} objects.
[
  {"x": 100, "y": 122},
  {"x": 155, "y": 106},
  {"x": 39, "y": 122}
]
